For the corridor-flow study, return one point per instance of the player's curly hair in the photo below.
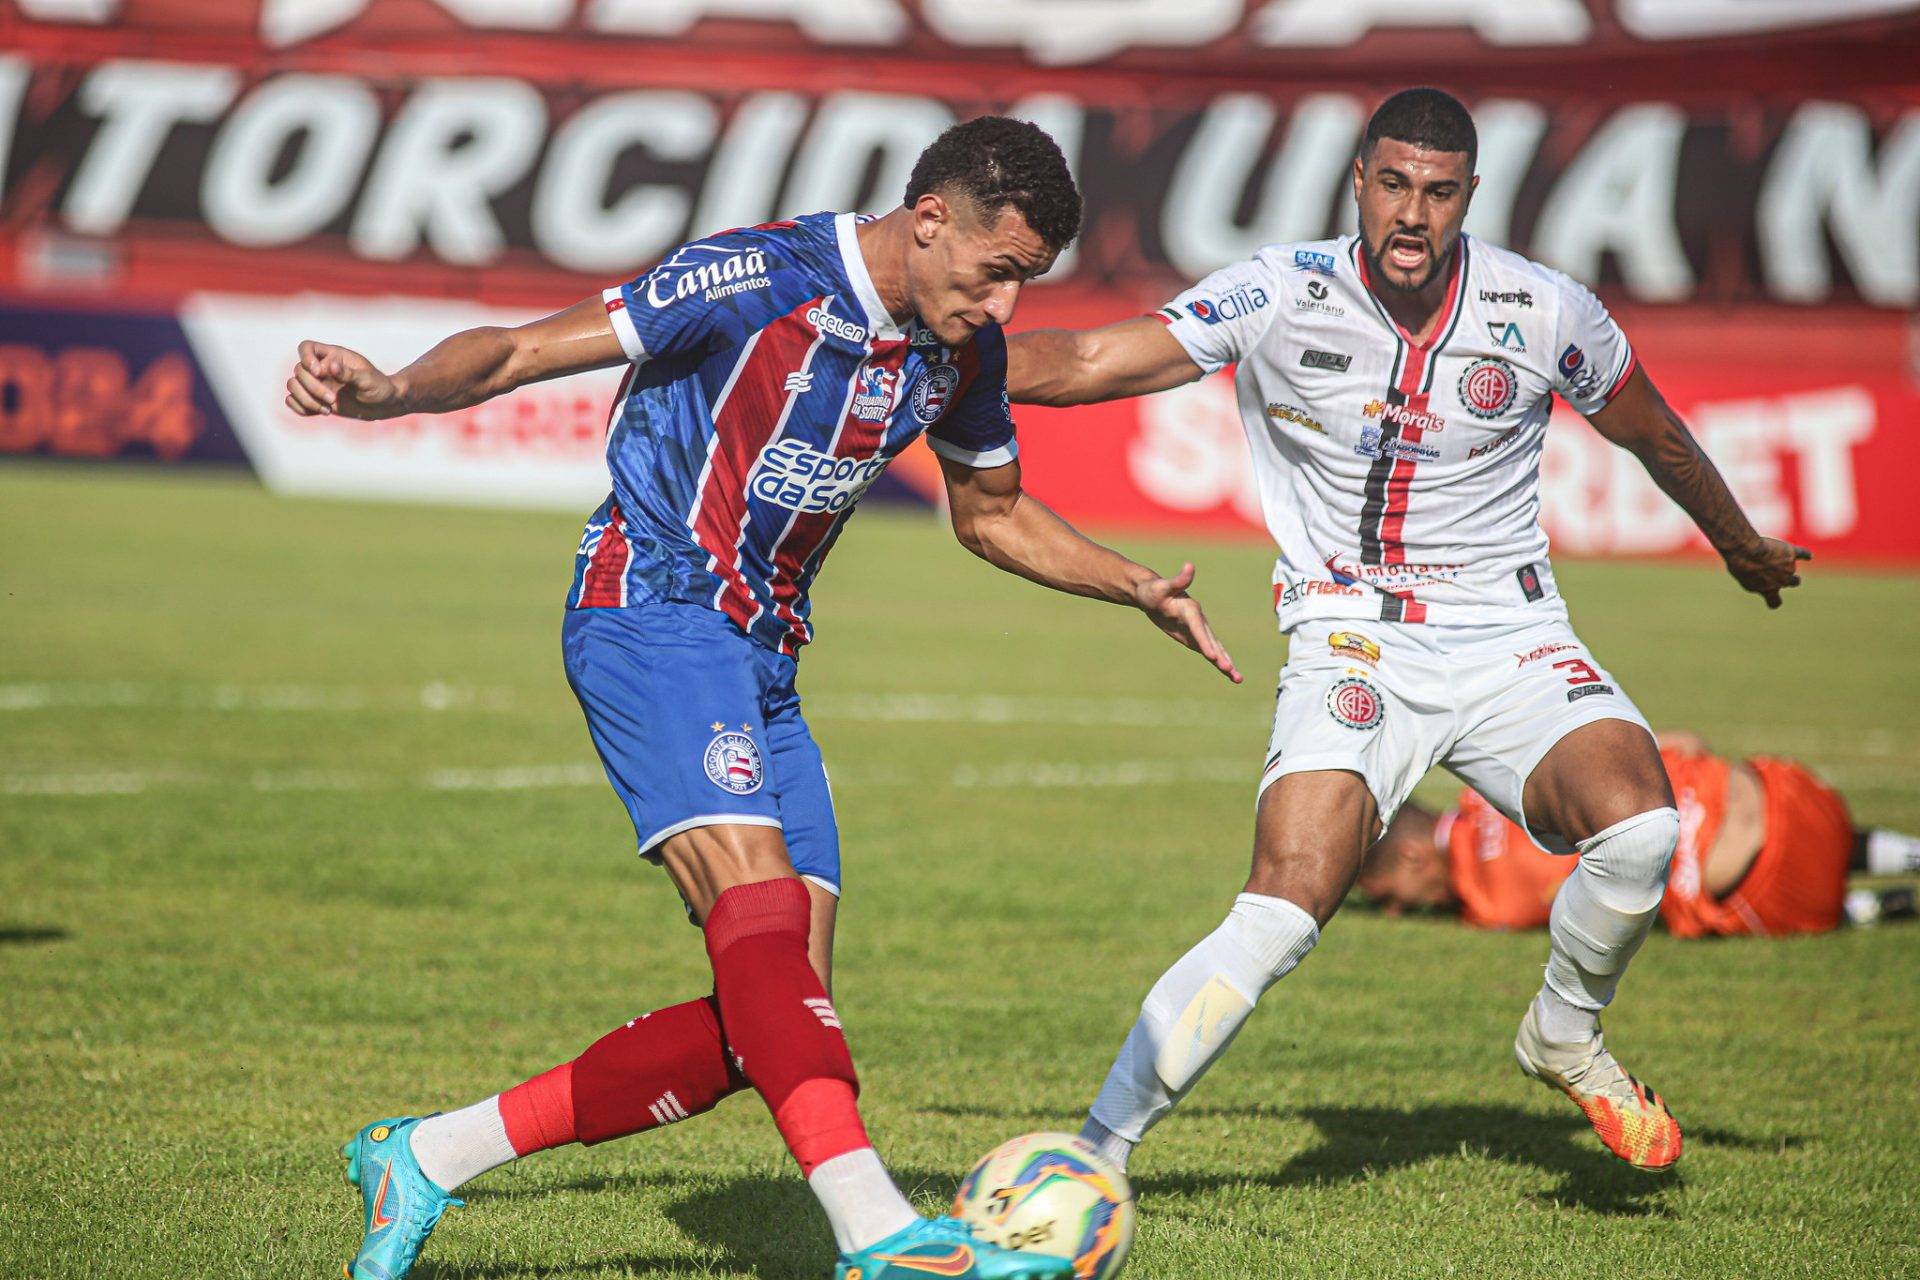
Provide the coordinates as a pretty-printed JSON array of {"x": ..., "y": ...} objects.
[
  {"x": 996, "y": 161},
  {"x": 1432, "y": 119}
]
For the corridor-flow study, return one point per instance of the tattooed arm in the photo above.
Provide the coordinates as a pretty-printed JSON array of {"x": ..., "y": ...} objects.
[{"x": 1639, "y": 420}]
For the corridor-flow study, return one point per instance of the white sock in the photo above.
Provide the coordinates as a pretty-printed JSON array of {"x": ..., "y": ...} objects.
[
  {"x": 1107, "y": 1142},
  {"x": 1198, "y": 1007},
  {"x": 462, "y": 1145},
  {"x": 1602, "y": 914},
  {"x": 1564, "y": 1023},
  {"x": 1889, "y": 853},
  {"x": 860, "y": 1199}
]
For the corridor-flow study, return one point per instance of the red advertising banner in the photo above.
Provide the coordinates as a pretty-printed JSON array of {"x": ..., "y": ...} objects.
[{"x": 1820, "y": 448}]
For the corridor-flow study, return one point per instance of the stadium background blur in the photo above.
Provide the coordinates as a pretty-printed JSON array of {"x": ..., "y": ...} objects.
[{"x": 273, "y": 755}]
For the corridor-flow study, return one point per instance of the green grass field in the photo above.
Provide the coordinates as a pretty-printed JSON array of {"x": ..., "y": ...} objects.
[{"x": 300, "y": 826}]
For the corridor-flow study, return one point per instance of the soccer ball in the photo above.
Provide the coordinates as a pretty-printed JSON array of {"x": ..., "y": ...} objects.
[{"x": 1052, "y": 1193}]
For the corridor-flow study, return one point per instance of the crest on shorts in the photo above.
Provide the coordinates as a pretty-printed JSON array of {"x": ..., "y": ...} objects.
[
  {"x": 1356, "y": 704},
  {"x": 733, "y": 763},
  {"x": 1488, "y": 388}
]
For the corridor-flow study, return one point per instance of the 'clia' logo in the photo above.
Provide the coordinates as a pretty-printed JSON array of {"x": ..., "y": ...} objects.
[{"x": 1228, "y": 306}]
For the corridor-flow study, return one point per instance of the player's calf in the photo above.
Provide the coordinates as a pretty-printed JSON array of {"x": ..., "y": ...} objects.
[
  {"x": 787, "y": 1042},
  {"x": 1601, "y": 916},
  {"x": 1193, "y": 1014}
]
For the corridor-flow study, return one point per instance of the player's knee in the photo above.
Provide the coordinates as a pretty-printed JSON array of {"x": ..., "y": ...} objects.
[{"x": 1627, "y": 863}]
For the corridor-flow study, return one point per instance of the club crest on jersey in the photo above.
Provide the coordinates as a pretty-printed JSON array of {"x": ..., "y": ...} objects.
[
  {"x": 733, "y": 763},
  {"x": 873, "y": 398},
  {"x": 934, "y": 392},
  {"x": 1488, "y": 388},
  {"x": 1355, "y": 703}
]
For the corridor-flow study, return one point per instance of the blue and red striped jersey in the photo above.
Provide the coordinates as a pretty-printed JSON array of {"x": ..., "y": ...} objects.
[{"x": 769, "y": 389}]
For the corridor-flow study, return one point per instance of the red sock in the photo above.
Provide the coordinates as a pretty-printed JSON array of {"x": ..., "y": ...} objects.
[
  {"x": 778, "y": 1021},
  {"x": 539, "y": 1113},
  {"x": 669, "y": 1065}
]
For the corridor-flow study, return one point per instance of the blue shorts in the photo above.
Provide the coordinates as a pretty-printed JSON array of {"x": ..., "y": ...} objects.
[{"x": 698, "y": 726}]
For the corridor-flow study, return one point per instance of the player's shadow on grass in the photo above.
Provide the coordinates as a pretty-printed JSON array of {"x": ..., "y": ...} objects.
[
  {"x": 773, "y": 1227},
  {"x": 28, "y": 935},
  {"x": 768, "y": 1227},
  {"x": 1357, "y": 1143}
]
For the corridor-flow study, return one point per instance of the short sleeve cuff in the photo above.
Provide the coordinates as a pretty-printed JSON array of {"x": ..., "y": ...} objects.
[
  {"x": 616, "y": 300},
  {"x": 979, "y": 459},
  {"x": 1182, "y": 329},
  {"x": 1626, "y": 371}
]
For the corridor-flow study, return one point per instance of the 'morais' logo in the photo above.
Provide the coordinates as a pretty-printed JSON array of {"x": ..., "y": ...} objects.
[
  {"x": 800, "y": 478},
  {"x": 711, "y": 280}
]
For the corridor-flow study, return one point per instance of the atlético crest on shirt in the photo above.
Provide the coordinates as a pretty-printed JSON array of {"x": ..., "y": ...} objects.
[{"x": 733, "y": 763}]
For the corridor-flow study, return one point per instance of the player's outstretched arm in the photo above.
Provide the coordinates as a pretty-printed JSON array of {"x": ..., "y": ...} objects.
[
  {"x": 1012, "y": 530},
  {"x": 469, "y": 367},
  {"x": 1639, "y": 420},
  {"x": 1081, "y": 366}
]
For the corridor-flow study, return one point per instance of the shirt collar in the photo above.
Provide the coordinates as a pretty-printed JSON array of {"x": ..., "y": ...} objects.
[{"x": 855, "y": 264}]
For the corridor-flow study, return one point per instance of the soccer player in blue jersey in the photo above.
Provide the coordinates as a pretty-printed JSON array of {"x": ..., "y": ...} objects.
[{"x": 773, "y": 373}]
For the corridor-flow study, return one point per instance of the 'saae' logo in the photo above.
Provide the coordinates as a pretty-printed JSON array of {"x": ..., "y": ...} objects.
[
  {"x": 733, "y": 763},
  {"x": 934, "y": 392}
]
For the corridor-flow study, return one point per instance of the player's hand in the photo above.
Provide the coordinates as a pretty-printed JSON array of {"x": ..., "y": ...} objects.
[
  {"x": 1166, "y": 601},
  {"x": 334, "y": 380},
  {"x": 1767, "y": 567}
]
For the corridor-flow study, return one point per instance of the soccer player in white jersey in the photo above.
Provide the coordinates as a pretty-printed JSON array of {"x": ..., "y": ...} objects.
[{"x": 1395, "y": 388}]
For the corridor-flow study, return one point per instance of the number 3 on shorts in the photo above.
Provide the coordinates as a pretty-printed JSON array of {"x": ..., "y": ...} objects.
[{"x": 1583, "y": 672}]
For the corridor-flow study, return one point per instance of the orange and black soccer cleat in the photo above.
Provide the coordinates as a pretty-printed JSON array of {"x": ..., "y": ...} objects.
[{"x": 1632, "y": 1120}]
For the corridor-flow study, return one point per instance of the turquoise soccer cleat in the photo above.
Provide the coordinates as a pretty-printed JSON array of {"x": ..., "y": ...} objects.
[
  {"x": 402, "y": 1205},
  {"x": 946, "y": 1247}
]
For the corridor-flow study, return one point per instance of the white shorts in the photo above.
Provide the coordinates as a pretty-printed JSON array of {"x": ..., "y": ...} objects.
[{"x": 1388, "y": 701}]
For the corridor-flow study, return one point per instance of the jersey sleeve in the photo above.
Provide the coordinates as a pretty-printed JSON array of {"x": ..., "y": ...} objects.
[
  {"x": 1222, "y": 318},
  {"x": 1594, "y": 358},
  {"x": 701, "y": 293},
  {"x": 978, "y": 432}
]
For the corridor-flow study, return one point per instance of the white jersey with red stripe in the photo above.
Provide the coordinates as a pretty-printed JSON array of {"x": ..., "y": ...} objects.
[{"x": 1401, "y": 479}]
